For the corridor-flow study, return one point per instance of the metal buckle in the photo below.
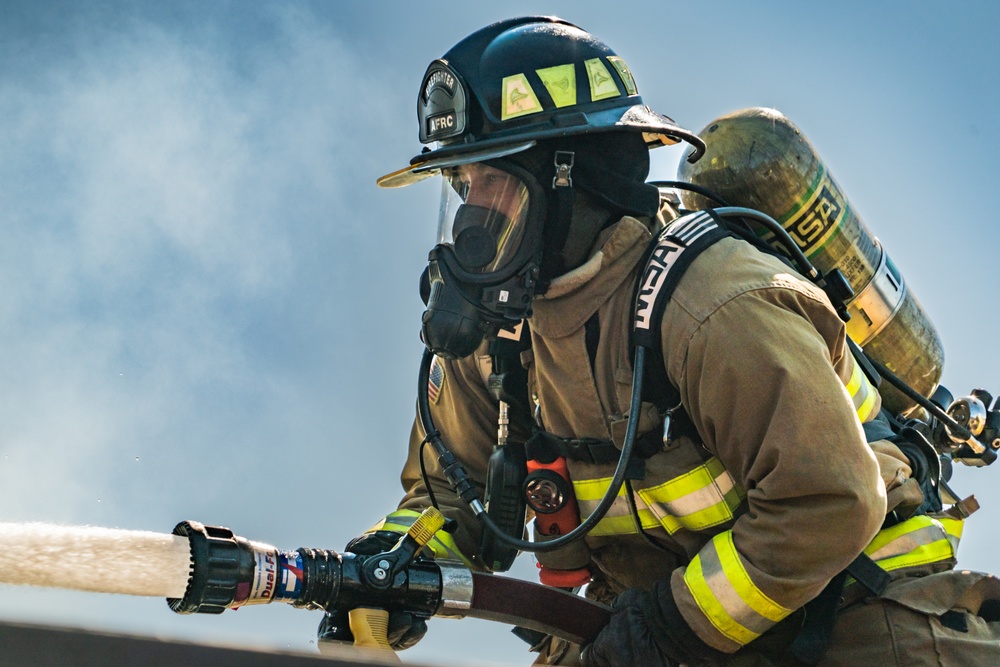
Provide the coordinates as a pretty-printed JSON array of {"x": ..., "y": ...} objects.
[{"x": 564, "y": 165}]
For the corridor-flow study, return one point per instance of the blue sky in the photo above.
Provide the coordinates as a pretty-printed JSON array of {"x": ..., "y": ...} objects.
[{"x": 210, "y": 312}]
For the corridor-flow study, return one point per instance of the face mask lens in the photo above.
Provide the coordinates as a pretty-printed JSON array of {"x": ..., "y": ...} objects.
[
  {"x": 475, "y": 247},
  {"x": 484, "y": 214}
]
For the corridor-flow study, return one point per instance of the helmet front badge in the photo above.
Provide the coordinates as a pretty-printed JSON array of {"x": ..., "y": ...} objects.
[{"x": 442, "y": 104}]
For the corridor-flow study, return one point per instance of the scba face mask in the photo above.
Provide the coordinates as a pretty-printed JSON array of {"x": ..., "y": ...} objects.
[{"x": 482, "y": 273}]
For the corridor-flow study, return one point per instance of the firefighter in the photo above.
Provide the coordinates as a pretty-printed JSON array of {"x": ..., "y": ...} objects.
[{"x": 767, "y": 488}]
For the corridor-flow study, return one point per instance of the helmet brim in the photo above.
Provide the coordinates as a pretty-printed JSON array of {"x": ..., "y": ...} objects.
[
  {"x": 432, "y": 162},
  {"x": 657, "y": 129}
]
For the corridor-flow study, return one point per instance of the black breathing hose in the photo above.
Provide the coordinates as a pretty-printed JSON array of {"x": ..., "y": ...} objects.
[
  {"x": 921, "y": 400},
  {"x": 465, "y": 487},
  {"x": 691, "y": 187},
  {"x": 727, "y": 210},
  {"x": 773, "y": 226}
]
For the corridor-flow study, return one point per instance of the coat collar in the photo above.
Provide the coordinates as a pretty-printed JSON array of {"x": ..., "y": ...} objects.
[{"x": 574, "y": 297}]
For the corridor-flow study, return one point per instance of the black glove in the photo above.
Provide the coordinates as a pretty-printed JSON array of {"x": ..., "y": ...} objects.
[
  {"x": 647, "y": 629},
  {"x": 925, "y": 464},
  {"x": 405, "y": 629},
  {"x": 373, "y": 543}
]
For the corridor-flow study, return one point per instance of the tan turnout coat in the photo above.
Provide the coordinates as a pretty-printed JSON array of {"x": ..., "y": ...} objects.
[{"x": 790, "y": 491}]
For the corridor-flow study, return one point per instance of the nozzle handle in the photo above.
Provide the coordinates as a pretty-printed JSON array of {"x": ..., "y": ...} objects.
[
  {"x": 430, "y": 521},
  {"x": 370, "y": 628}
]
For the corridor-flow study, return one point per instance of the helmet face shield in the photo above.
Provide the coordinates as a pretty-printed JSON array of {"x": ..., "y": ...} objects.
[
  {"x": 484, "y": 219},
  {"x": 482, "y": 273}
]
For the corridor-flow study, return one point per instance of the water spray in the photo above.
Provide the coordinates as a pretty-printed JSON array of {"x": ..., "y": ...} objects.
[
  {"x": 95, "y": 559},
  {"x": 208, "y": 569}
]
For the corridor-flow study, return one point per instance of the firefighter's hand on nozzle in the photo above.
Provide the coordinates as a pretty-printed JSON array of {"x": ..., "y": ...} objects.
[{"x": 405, "y": 629}]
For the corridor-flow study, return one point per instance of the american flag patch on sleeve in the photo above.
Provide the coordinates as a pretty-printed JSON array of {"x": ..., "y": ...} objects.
[{"x": 435, "y": 380}]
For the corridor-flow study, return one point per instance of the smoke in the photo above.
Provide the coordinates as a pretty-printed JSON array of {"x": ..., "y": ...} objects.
[{"x": 169, "y": 207}]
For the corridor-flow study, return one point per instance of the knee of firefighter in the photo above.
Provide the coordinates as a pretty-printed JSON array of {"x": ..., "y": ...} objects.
[
  {"x": 964, "y": 638},
  {"x": 880, "y": 632},
  {"x": 890, "y": 634}
]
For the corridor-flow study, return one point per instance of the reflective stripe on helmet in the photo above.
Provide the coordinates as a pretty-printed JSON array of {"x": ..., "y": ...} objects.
[
  {"x": 700, "y": 498},
  {"x": 863, "y": 394},
  {"x": 518, "y": 98},
  {"x": 560, "y": 81},
  {"x": 916, "y": 541},
  {"x": 726, "y": 594},
  {"x": 625, "y": 73},
  {"x": 602, "y": 84},
  {"x": 442, "y": 545}
]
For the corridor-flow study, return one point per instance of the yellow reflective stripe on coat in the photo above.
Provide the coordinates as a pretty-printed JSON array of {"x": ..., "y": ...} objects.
[
  {"x": 703, "y": 497},
  {"x": 863, "y": 393},
  {"x": 916, "y": 541},
  {"x": 618, "y": 520},
  {"x": 726, "y": 594},
  {"x": 442, "y": 545}
]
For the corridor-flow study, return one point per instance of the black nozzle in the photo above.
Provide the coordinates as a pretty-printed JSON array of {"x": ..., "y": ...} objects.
[
  {"x": 220, "y": 564},
  {"x": 229, "y": 571}
]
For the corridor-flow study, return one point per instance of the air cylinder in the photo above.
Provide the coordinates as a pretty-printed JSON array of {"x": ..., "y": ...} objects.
[{"x": 759, "y": 159}]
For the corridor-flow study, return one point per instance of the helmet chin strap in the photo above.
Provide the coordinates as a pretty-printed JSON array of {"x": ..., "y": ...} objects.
[
  {"x": 559, "y": 217},
  {"x": 607, "y": 171}
]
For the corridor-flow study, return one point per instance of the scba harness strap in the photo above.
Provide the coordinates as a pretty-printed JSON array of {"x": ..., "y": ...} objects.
[{"x": 668, "y": 257}]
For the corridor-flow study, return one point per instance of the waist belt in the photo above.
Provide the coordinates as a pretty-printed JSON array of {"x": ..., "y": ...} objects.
[{"x": 546, "y": 447}]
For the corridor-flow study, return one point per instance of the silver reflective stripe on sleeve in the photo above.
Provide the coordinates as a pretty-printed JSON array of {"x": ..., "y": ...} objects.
[
  {"x": 618, "y": 520},
  {"x": 701, "y": 498},
  {"x": 727, "y": 596}
]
